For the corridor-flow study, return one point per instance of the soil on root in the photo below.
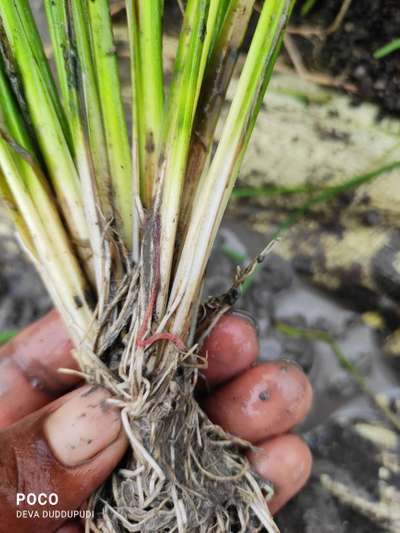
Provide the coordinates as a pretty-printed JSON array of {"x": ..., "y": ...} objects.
[{"x": 181, "y": 472}]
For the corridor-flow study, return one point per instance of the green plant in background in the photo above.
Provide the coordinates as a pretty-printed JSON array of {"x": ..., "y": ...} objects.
[
  {"x": 307, "y": 7},
  {"x": 7, "y": 335},
  {"x": 121, "y": 224},
  {"x": 389, "y": 48},
  {"x": 317, "y": 195},
  {"x": 348, "y": 366}
]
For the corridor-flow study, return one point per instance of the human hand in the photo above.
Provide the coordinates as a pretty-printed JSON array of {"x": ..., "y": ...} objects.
[{"x": 55, "y": 441}]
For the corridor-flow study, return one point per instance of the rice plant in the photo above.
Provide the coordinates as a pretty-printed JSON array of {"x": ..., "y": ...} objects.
[{"x": 120, "y": 223}]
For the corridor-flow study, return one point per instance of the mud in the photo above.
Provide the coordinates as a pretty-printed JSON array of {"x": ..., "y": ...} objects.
[
  {"x": 22, "y": 296},
  {"x": 348, "y": 52},
  {"x": 278, "y": 295},
  {"x": 339, "y": 450}
]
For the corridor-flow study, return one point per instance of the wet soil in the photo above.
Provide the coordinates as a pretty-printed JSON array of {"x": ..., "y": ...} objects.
[
  {"x": 22, "y": 295},
  {"x": 278, "y": 295},
  {"x": 339, "y": 451},
  {"x": 348, "y": 52}
]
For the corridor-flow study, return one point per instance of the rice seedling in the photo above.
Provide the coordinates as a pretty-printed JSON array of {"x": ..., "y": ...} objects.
[{"x": 121, "y": 224}]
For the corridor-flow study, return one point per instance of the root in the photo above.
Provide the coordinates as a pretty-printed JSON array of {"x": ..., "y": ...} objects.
[
  {"x": 315, "y": 77},
  {"x": 322, "y": 33},
  {"x": 182, "y": 473}
]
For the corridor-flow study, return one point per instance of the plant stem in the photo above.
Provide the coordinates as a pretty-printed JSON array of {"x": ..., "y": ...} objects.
[
  {"x": 44, "y": 112},
  {"x": 24, "y": 13},
  {"x": 181, "y": 107},
  {"x": 24, "y": 184},
  {"x": 80, "y": 96},
  {"x": 216, "y": 188},
  {"x": 53, "y": 254},
  {"x": 145, "y": 28},
  {"x": 57, "y": 21},
  {"x": 219, "y": 70},
  {"x": 67, "y": 23},
  {"x": 116, "y": 133},
  {"x": 8, "y": 202}
]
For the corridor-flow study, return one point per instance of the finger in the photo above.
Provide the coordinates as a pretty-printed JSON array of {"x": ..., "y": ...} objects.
[
  {"x": 28, "y": 368},
  {"x": 286, "y": 461},
  {"x": 266, "y": 400},
  {"x": 69, "y": 447},
  {"x": 230, "y": 348}
]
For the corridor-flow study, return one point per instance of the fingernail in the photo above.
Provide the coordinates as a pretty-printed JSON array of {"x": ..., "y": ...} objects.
[
  {"x": 246, "y": 316},
  {"x": 82, "y": 427}
]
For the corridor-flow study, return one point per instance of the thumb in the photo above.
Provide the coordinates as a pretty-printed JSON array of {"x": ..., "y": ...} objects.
[{"x": 66, "y": 449}]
